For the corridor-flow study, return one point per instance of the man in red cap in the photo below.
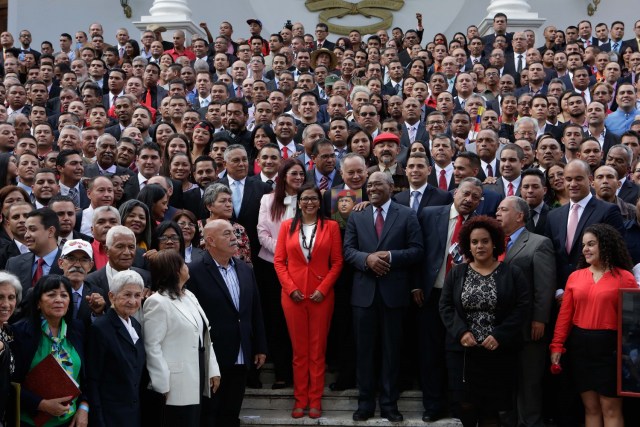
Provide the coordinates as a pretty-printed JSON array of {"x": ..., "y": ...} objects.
[{"x": 386, "y": 147}]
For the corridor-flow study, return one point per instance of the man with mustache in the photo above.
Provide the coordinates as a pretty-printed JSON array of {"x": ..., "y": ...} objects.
[
  {"x": 76, "y": 260},
  {"x": 606, "y": 184},
  {"x": 386, "y": 148}
]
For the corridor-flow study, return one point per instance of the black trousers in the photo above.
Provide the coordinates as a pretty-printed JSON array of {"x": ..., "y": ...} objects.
[
  {"x": 341, "y": 351},
  {"x": 372, "y": 324},
  {"x": 278, "y": 341},
  {"x": 223, "y": 409}
]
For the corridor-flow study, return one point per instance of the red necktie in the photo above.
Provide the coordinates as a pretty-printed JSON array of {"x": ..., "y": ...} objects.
[
  {"x": 148, "y": 100},
  {"x": 442, "y": 181},
  {"x": 39, "y": 272},
  {"x": 503, "y": 255},
  {"x": 285, "y": 153},
  {"x": 379, "y": 222},
  {"x": 510, "y": 190},
  {"x": 311, "y": 165},
  {"x": 454, "y": 239}
]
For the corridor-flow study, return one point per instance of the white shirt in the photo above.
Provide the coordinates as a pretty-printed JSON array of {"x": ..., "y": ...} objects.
[
  {"x": 515, "y": 60},
  {"x": 129, "y": 327},
  {"x": 448, "y": 173},
  {"x": 484, "y": 164},
  {"x": 87, "y": 221},
  {"x": 515, "y": 182},
  {"x": 21, "y": 247},
  {"x": 420, "y": 190},
  {"x": 453, "y": 218}
]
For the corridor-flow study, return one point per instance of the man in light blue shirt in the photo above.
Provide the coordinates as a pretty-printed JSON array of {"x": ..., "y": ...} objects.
[{"x": 620, "y": 120}]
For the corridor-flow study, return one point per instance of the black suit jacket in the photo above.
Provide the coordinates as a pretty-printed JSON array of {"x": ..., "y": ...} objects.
[
  {"x": 632, "y": 43},
  {"x": 193, "y": 202},
  {"x": 481, "y": 175},
  {"x": 84, "y": 311},
  {"x": 98, "y": 279},
  {"x": 22, "y": 266},
  {"x": 130, "y": 191},
  {"x": 400, "y": 238},
  {"x": 337, "y": 178},
  {"x": 114, "y": 131},
  {"x": 499, "y": 188},
  {"x": 490, "y": 38},
  {"x": 421, "y": 135},
  {"x": 114, "y": 372},
  {"x": 8, "y": 251},
  {"x": 610, "y": 139},
  {"x": 234, "y": 327},
  {"x": 629, "y": 192},
  {"x": 595, "y": 212},
  {"x": 432, "y": 196},
  {"x": 254, "y": 189},
  {"x": 541, "y": 226},
  {"x": 433, "y": 180}
]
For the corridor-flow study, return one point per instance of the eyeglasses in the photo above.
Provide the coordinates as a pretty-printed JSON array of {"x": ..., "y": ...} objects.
[
  {"x": 186, "y": 225},
  {"x": 311, "y": 199},
  {"x": 369, "y": 114},
  {"x": 173, "y": 238}
]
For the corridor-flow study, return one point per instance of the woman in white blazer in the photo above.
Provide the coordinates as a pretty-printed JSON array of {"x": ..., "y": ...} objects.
[{"x": 180, "y": 358}]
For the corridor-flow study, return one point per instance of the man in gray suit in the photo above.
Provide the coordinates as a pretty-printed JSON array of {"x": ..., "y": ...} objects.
[
  {"x": 534, "y": 255},
  {"x": 382, "y": 245}
]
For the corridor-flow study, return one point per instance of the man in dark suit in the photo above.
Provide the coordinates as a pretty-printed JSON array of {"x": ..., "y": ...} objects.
[
  {"x": 499, "y": 28},
  {"x": 487, "y": 144},
  {"x": 106, "y": 164},
  {"x": 71, "y": 170},
  {"x": 204, "y": 172},
  {"x": 533, "y": 190},
  {"x": 467, "y": 165},
  {"x": 381, "y": 244},
  {"x": 566, "y": 224},
  {"x": 121, "y": 254},
  {"x": 420, "y": 193},
  {"x": 438, "y": 227},
  {"x": 321, "y": 38},
  {"x": 41, "y": 237},
  {"x": 228, "y": 293},
  {"x": 246, "y": 193},
  {"x": 534, "y": 255},
  {"x": 115, "y": 82},
  {"x": 16, "y": 217},
  {"x": 413, "y": 129},
  {"x": 150, "y": 79},
  {"x": 509, "y": 181},
  {"x": 65, "y": 209},
  {"x": 442, "y": 150},
  {"x": 324, "y": 173},
  {"x": 620, "y": 157},
  {"x": 76, "y": 260}
]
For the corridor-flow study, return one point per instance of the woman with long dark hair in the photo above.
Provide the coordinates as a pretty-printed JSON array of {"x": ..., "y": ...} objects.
[
  {"x": 275, "y": 208},
  {"x": 49, "y": 329},
  {"x": 260, "y": 136},
  {"x": 157, "y": 201},
  {"x": 308, "y": 261},
  {"x": 8, "y": 169},
  {"x": 201, "y": 140},
  {"x": 135, "y": 216},
  {"x": 587, "y": 324}
]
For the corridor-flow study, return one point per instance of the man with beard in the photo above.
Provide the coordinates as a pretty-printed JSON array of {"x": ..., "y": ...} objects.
[
  {"x": 142, "y": 120},
  {"x": 76, "y": 261},
  {"x": 204, "y": 173},
  {"x": 44, "y": 187},
  {"x": 124, "y": 110},
  {"x": 571, "y": 139},
  {"x": 386, "y": 148},
  {"x": 237, "y": 114}
]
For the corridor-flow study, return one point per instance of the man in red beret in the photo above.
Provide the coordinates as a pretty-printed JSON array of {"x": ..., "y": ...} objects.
[{"x": 386, "y": 147}]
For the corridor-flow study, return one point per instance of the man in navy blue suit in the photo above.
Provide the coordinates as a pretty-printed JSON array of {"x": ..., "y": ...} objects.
[
  {"x": 438, "y": 225},
  {"x": 383, "y": 247},
  {"x": 467, "y": 165},
  {"x": 566, "y": 224}
]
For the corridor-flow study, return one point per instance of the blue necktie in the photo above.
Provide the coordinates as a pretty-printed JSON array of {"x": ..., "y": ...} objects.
[{"x": 416, "y": 200}]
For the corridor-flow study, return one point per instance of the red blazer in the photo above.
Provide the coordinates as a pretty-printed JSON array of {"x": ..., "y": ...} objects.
[{"x": 295, "y": 273}]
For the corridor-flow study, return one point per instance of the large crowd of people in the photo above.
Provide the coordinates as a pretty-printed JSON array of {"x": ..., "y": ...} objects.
[{"x": 407, "y": 212}]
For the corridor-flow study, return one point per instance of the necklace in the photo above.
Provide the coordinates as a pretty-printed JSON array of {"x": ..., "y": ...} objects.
[{"x": 304, "y": 238}]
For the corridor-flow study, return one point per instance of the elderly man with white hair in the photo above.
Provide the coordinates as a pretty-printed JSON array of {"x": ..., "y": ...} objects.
[
  {"x": 121, "y": 252},
  {"x": 116, "y": 355}
]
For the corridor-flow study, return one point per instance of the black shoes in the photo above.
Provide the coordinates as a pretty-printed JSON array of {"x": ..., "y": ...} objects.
[
  {"x": 361, "y": 415},
  {"x": 392, "y": 415},
  {"x": 431, "y": 417}
]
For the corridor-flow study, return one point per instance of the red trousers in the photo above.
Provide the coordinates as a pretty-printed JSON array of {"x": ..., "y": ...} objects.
[{"x": 308, "y": 324}]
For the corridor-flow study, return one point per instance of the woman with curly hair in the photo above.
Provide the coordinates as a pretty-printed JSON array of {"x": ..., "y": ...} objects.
[
  {"x": 587, "y": 324},
  {"x": 483, "y": 306}
]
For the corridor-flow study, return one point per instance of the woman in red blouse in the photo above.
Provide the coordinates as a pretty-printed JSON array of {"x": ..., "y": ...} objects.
[{"x": 588, "y": 321}]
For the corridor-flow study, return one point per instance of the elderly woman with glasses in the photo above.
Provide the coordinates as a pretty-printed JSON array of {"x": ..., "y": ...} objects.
[
  {"x": 218, "y": 201},
  {"x": 116, "y": 356}
]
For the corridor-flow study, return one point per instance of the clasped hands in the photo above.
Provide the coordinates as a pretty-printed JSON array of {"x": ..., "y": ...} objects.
[
  {"x": 298, "y": 296},
  {"x": 379, "y": 262},
  {"x": 489, "y": 343}
]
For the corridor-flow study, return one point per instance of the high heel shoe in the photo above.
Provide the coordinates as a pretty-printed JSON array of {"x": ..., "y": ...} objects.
[
  {"x": 297, "y": 413},
  {"x": 315, "y": 413}
]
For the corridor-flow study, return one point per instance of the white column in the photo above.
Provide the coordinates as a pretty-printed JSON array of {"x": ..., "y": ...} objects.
[
  {"x": 519, "y": 16},
  {"x": 511, "y": 8},
  {"x": 175, "y": 10}
]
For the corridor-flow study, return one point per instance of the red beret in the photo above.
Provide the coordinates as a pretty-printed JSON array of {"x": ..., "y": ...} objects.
[{"x": 387, "y": 136}]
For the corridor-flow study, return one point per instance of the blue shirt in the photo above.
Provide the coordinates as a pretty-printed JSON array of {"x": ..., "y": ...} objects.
[
  {"x": 514, "y": 236},
  {"x": 49, "y": 259},
  {"x": 619, "y": 122},
  {"x": 318, "y": 177}
]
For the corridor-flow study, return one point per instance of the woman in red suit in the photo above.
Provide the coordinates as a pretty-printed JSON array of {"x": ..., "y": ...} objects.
[
  {"x": 588, "y": 321},
  {"x": 308, "y": 260}
]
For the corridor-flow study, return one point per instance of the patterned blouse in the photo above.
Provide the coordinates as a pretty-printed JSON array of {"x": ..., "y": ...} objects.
[
  {"x": 244, "y": 249},
  {"x": 479, "y": 299}
]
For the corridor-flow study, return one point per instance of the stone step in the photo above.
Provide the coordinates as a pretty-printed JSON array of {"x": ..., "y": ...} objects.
[
  {"x": 265, "y": 399},
  {"x": 281, "y": 417}
]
